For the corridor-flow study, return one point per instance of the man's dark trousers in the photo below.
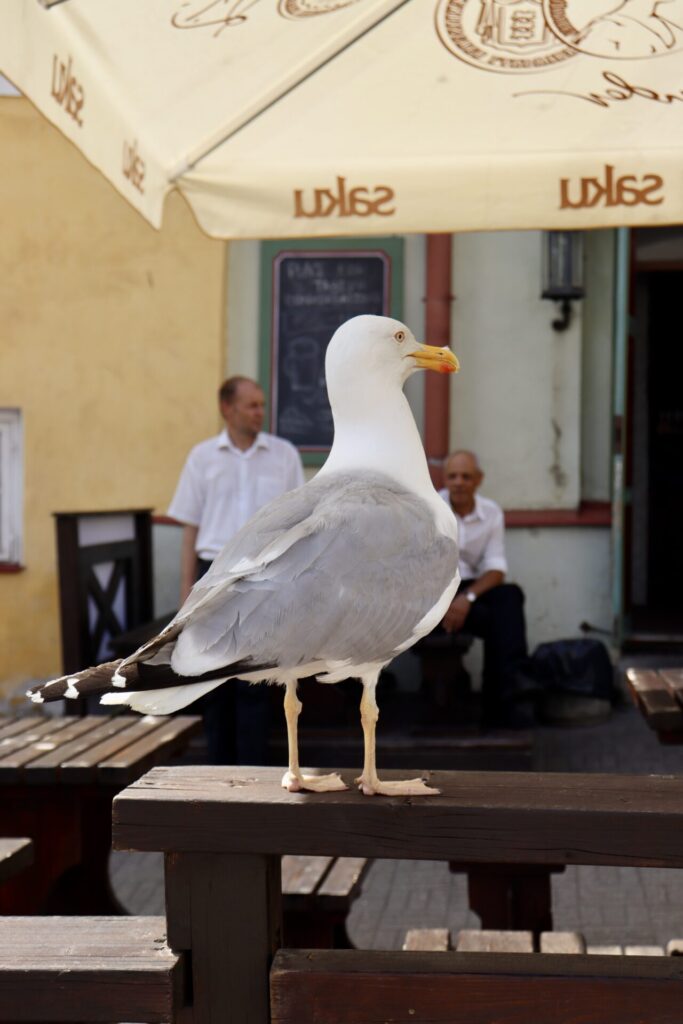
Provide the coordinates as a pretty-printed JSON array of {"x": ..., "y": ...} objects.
[
  {"x": 236, "y": 717},
  {"x": 497, "y": 617}
]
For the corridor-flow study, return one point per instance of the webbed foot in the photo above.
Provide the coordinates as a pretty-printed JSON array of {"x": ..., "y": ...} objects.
[
  {"x": 313, "y": 783},
  {"x": 404, "y": 787}
]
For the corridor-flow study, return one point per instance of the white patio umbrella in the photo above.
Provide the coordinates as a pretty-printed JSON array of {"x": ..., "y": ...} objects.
[{"x": 290, "y": 118}]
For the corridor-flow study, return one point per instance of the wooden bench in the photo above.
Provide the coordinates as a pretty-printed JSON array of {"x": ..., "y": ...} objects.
[
  {"x": 658, "y": 693},
  {"x": 493, "y": 941},
  {"x": 483, "y": 940},
  {"x": 345, "y": 986},
  {"x": 317, "y": 894},
  {"x": 501, "y": 941},
  {"x": 223, "y": 831},
  {"x": 88, "y": 968},
  {"x": 58, "y": 777}
]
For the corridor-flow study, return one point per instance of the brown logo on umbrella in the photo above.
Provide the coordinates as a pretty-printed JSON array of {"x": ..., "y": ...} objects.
[
  {"x": 500, "y": 35},
  {"x": 610, "y": 189},
  {"x": 66, "y": 89},
  {"x": 343, "y": 201},
  {"x": 133, "y": 166},
  {"x": 535, "y": 35}
]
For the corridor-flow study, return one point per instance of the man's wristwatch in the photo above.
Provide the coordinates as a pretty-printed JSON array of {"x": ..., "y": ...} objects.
[{"x": 470, "y": 595}]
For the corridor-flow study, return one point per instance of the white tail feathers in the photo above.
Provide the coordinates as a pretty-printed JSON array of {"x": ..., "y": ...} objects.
[
  {"x": 115, "y": 697},
  {"x": 161, "y": 702}
]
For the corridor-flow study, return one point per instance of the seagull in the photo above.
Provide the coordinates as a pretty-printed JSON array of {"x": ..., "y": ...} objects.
[{"x": 332, "y": 580}]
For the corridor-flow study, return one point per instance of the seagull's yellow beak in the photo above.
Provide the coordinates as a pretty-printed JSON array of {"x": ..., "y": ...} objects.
[{"x": 431, "y": 357}]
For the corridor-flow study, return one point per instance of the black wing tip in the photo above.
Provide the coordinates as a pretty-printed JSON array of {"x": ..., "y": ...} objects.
[
  {"x": 75, "y": 685},
  {"x": 55, "y": 689}
]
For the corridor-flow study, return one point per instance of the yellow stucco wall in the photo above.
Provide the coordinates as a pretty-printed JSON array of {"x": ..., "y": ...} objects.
[{"x": 112, "y": 342}]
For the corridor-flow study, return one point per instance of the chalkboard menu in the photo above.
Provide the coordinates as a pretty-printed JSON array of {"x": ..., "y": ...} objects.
[{"x": 313, "y": 293}]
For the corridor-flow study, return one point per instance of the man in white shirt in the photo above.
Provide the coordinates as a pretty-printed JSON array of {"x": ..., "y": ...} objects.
[
  {"x": 229, "y": 477},
  {"x": 224, "y": 481},
  {"x": 485, "y": 606}
]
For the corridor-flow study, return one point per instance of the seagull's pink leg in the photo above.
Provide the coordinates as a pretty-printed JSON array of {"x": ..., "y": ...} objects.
[
  {"x": 369, "y": 783},
  {"x": 293, "y": 780}
]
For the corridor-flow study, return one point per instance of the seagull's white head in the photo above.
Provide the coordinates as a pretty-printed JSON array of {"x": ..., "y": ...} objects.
[
  {"x": 379, "y": 347},
  {"x": 369, "y": 359}
]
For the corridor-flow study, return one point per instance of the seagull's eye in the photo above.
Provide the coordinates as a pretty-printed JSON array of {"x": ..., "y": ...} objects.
[{"x": 400, "y": 336}]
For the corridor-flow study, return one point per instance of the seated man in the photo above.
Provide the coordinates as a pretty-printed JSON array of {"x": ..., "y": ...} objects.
[{"x": 485, "y": 606}]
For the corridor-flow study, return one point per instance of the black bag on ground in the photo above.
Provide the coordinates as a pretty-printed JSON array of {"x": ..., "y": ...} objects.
[{"x": 581, "y": 667}]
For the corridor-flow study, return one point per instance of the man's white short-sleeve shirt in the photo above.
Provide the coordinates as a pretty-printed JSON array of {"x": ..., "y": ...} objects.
[
  {"x": 481, "y": 537},
  {"x": 221, "y": 486}
]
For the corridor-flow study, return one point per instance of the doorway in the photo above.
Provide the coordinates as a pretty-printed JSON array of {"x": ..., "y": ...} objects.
[{"x": 655, "y": 544}]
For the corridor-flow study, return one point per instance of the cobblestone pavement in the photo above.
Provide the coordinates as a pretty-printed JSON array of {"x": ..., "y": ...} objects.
[{"x": 608, "y": 905}]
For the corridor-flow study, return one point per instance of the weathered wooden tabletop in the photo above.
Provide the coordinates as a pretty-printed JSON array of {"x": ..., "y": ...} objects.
[
  {"x": 106, "y": 749},
  {"x": 658, "y": 694},
  {"x": 480, "y": 817}
]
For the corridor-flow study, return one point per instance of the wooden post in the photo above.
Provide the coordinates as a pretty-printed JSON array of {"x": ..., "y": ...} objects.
[
  {"x": 517, "y": 897},
  {"x": 224, "y": 912},
  {"x": 437, "y": 332}
]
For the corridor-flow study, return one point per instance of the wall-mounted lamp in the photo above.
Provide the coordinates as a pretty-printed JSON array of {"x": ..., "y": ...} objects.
[{"x": 563, "y": 272}]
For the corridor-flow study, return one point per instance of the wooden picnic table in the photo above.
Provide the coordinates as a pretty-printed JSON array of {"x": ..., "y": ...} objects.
[
  {"x": 15, "y": 855},
  {"x": 223, "y": 831},
  {"x": 58, "y": 777},
  {"x": 658, "y": 694}
]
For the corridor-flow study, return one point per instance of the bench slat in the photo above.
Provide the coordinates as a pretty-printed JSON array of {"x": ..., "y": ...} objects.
[
  {"x": 30, "y": 744},
  {"x": 142, "y": 754},
  {"x": 317, "y": 895},
  {"x": 489, "y": 940},
  {"x": 11, "y": 726},
  {"x": 83, "y": 767},
  {"x": 43, "y": 768},
  {"x": 432, "y": 940},
  {"x": 344, "y": 878},
  {"x": 662, "y": 710},
  {"x": 301, "y": 876},
  {"x": 673, "y": 677},
  {"x": 562, "y": 942},
  {"x": 62, "y": 731},
  {"x": 347, "y": 986},
  {"x": 94, "y": 968}
]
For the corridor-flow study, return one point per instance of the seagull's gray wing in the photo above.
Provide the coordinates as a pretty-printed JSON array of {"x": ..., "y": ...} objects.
[
  {"x": 268, "y": 533},
  {"x": 354, "y": 564}
]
